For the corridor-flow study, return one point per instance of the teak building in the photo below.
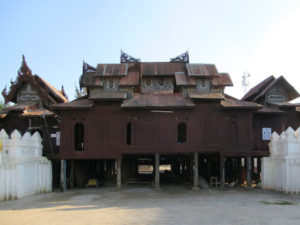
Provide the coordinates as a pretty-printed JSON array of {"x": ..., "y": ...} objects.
[
  {"x": 32, "y": 96},
  {"x": 151, "y": 122},
  {"x": 171, "y": 116}
]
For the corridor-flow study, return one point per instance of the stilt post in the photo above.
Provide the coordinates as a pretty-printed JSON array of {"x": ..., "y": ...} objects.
[
  {"x": 222, "y": 171},
  {"x": 119, "y": 175},
  {"x": 72, "y": 174},
  {"x": 157, "y": 175},
  {"x": 195, "y": 184},
  {"x": 249, "y": 172},
  {"x": 63, "y": 175}
]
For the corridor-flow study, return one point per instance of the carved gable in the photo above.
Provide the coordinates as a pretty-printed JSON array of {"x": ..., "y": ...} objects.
[{"x": 28, "y": 95}]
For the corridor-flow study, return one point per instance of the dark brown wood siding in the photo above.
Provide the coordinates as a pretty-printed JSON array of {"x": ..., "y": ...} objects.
[{"x": 207, "y": 127}]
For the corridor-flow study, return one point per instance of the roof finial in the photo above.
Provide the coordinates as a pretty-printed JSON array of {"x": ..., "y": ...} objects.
[
  {"x": 24, "y": 69},
  {"x": 184, "y": 57},
  {"x": 86, "y": 68},
  {"x": 125, "y": 58}
]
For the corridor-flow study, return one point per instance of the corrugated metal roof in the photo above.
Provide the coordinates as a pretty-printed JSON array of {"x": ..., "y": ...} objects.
[
  {"x": 112, "y": 69},
  {"x": 222, "y": 80},
  {"x": 257, "y": 89},
  {"x": 206, "y": 96},
  {"x": 76, "y": 104},
  {"x": 238, "y": 104},
  {"x": 291, "y": 90},
  {"x": 131, "y": 79},
  {"x": 16, "y": 107},
  {"x": 184, "y": 80},
  {"x": 109, "y": 96},
  {"x": 53, "y": 90},
  {"x": 268, "y": 110},
  {"x": 201, "y": 69},
  {"x": 162, "y": 68},
  {"x": 36, "y": 113},
  {"x": 157, "y": 100}
]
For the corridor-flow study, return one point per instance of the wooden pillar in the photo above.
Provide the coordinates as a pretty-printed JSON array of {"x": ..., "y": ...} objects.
[
  {"x": 222, "y": 171},
  {"x": 72, "y": 174},
  {"x": 259, "y": 167},
  {"x": 157, "y": 175},
  {"x": 63, "y": 175},
  {"x": 208, "y": 168},
  {"x": 249, "y": 171},
  {"x": 195, "y": 184},
  {"x": 119, "y": 175}
]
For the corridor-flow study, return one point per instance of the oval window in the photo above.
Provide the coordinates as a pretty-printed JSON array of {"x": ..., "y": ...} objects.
[
  {"x": 148, "y": 82},
  {"x": 111, "y": 83},
  {"x": 203, "y": 83},
  {"x": 161, "y": 82}
]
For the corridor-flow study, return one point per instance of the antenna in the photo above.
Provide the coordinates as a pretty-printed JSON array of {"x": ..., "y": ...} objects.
[{"x": 245, "y": 81}]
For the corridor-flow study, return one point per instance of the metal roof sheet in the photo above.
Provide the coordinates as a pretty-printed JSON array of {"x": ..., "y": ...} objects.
[
  {"x": 157, "y": 100},
  {"x": 257, "y": 89},
  {"x": 184, "y": 80},
  {"x": 112, "y": 69},
  {"x": 268, "y": 110},
  {"x": 76, "y": 104},
  {"x": 238, "y": 104},
  {"x": 36, "y": 113},
  {"x": 222, "y": 80},
  {"x": 162, "y": 68},
  {"x": 201, "y": 69},
  {"x": 132, "y": 79},
  {"x": 206, "y": 96},
  {"x": 108, "y": 96}
]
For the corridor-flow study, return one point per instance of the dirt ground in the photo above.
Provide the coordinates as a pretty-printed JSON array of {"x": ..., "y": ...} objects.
[{"x": 143, "y": 205}]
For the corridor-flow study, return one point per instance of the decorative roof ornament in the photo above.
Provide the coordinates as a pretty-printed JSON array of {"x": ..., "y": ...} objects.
[
  {"x": 4, "y": 92},
  {"x": 184, "y": 57},
  {"x": 24, "y": 69},
  {"x": 125, "y": 58},
  {"x": 86, "y": 68}
]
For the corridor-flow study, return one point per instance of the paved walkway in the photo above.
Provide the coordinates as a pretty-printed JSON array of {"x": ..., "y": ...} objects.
[{"x": 143, "y": 205}]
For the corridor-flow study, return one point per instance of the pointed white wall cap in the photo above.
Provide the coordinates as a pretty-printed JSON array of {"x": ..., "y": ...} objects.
[
  {"x": 274, "y": 135},
  {"x": 3, "y": 134},
  {"x": 289, "y": 132},
  {"x": 26, "y": 136},
  {"x": 36, "y": 136},
  {"x": 297, "y": 132},
  {"x": 15, "y": 135}
]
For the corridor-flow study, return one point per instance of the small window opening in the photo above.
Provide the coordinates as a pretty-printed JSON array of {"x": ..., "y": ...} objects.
[
  {"x": 79, "y": 136},
  {"x": 181, "y": 133},
  {"x": 128, "y": 134},
  {"x": 148, "y": 82}
]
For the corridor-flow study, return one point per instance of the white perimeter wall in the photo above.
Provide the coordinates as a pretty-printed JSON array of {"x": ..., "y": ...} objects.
[
  {"x": 23, "y": 170},
  {"x": 281, "y": 170}
]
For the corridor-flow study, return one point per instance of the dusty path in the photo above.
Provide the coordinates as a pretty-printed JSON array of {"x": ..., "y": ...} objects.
[{"x": 143, "y": 205}]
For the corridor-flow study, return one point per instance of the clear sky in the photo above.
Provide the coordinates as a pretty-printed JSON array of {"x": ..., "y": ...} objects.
[{"x": 261, "y": 37}]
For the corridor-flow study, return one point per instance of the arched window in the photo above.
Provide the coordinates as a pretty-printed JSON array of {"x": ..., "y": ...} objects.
[
  {"x": 128, "y": 134},
  {"x": 181, "y": 133},
  {"x": 79, "y": 136}
]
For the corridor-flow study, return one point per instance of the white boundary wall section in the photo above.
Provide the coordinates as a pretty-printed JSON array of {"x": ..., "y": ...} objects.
[
  {"x": 23, "y": 170},
  {"x": 281, "y": 171}
]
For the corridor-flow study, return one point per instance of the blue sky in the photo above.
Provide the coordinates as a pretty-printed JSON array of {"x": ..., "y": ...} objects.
[{"x": 260, "y": 37}]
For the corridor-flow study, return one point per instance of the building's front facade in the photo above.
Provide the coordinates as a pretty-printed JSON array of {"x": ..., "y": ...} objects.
[{"x": 152, "y": 114}]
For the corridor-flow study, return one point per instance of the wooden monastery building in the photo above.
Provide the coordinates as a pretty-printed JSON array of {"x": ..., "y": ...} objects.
[
  {"x": 32, "y": 97},
  {"x": 154, "y": 123}
]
